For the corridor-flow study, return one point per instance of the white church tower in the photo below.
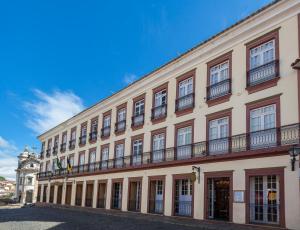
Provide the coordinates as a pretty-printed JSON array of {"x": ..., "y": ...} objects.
[{"x": 28, "y": 167}]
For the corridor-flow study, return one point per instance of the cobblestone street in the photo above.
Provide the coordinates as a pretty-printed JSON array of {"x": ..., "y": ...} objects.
[{"x": 29, "y": 218}]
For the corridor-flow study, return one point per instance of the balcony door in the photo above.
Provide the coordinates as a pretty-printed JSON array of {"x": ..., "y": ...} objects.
[
  {"x": 104, "y": 157},
  {"x": 263, "y": 127},
  {"x": 218, "y": 135},
  {"x": 184, "y": 143},
  {"x": 185, "y": 91},
  {"x": 92, "y": 160},
  {"x": 219, "y": 84},
  {"x": 81, "y": 162},
  {"x": 119, "y": 158},
  {"x": 158, "y": 147},
  {"x": 137, "y": 150}
]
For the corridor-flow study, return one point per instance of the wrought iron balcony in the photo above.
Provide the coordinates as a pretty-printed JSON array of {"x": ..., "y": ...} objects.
[
  {"x": 263, "y": 73},
  {"x": 105, "y": 132},
  {"x": 267, "y": 141},
  {"x": 159, "y": 112},
  {"x": 120, "y": 126},
  {"x": 93, "y": 136},
  {"x": 219, "y": 89},
  {"x": 72, "y": 144},
  {"x": 185, "y": 102},
  {"x": 137, "y": 120},
  {"x": 82, "y": 140},
  {"x": 63, "y": 147}
]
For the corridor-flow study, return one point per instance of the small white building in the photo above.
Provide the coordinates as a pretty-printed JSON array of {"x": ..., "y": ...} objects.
[{"x": 28, "y": 167}]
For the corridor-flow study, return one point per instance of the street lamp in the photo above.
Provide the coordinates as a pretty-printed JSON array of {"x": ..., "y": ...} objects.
[{"x": 294, "y": 152}]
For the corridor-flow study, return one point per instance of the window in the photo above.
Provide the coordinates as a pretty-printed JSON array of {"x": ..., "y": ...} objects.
[
  {"x": 94, "y": 128},
  {"x": 160, "y": 98},
  {"x": 48, "y": 166},
  {"x": 54, "y": 165},
  {"x": 119, "y": 155},
  {"x": 184, "y": 143},
  {"x": 92, "y": 160},
  {"x": 73, "y": 135},
  {"x": 64, "y": 138},
  {"x": 185, "y": 87},
  {"x": 104, "y": 157},
  {"x": 263, "y": 62},
  {"x": 218, "y": 135},
  {"x": 263, "y": 118},
  {"x": 218, "y": 128},
  {"x": 71, "y": 159},
  {"x": 121, "y": 115},
  {"x": 262, "y": 54},
  {"x": 219, "y": 73},
  {"x": 158, "y": 146},
  {"x": 106, "y": 121},
  {"x": 41, "y": 167},
  {"x": 43, "y": 147},
  {"x": 263, "y": 127},
  {"x": 49, "y": 143},
  {"x": 63, "y": 162},
  {"x": 29, "y": 180},
  {"x": 81, "y": 159},
  {"x": 137, "y": 150},
  {"x": 139, "y": 107}
]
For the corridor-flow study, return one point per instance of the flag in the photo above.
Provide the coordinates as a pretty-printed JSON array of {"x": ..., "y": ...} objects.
[
  {"x": 69, "y": 166},
  {"x": 58, "y": 164}
]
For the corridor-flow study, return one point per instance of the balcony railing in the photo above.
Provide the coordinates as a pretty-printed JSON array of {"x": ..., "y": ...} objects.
[
  {"x": 219, "y": 89},
  {"x": 269, "y": 140},
  {"x": 82, "y": 140},
  {"x": 93, "y": 136},
  {"x": 105, "y": 132},
  {"x": 183, "y": 208},
  {"x": 72, "y": 144},
  {"x": 63, "y": 147},
  {"x": 263, "y": 73},
  {"x": 159, "y": 112},
  {"x": 137, "y": 120},
  {"x": 185, "y": 102},
  {"x": 55, "y": 150},
  {"x": 120, "y": 126},
  {"x": 48, "y": 152}
]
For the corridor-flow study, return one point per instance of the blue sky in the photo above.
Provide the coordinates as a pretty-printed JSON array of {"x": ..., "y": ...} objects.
[{"x": 59, "y": 57}]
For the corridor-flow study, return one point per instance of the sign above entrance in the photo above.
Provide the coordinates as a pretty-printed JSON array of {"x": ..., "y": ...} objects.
[{"x": 238, "y": 196}]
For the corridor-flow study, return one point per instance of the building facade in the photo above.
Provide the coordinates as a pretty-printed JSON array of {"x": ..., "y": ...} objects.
[
  {"x": 205, "y": 136},
  {"x": 26, "y": 177}
]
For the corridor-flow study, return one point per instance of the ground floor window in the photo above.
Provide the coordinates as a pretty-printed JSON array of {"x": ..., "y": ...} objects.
[{"x": 156, "y": 196}]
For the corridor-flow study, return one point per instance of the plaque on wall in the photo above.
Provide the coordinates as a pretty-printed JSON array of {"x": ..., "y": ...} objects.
[{"x": 238, "y": 196}]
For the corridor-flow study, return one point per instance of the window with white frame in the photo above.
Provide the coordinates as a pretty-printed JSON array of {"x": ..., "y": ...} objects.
[
  {"x": 71, "y": 159},
  {"x": 137, "y": 147},
  {"x": 263, "y": 118},
  {"x": 83, "y": 130},
  {"x": 119, "y": 150},
  {"x": 64, "y": 138},
  {"x": 121, "y": 114},
  {"x": 73, "y": 135},
  {"x": 93, "y": 156},
  {"x": 63, "y": 162},
  {"x": 158, "y": 142},
  {"x": 106, "y": 121},
  {"x": 185, "y": 87},
  {"x": 219, "y": 72},
  {"x": 49, "y": 144},
  {"x": 81, "y": 159},
  {"x": 139, "y": 107},
  {"x": 184, "y": 136},
  {"x": 218, "y": 128},
  {"x": 160, "y": 98},
  {"x": 105, "y": 154},
  {"x": 262, "y": 54}
]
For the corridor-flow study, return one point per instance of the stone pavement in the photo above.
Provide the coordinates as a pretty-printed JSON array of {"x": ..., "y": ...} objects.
[{"x": 58, "y": 217}]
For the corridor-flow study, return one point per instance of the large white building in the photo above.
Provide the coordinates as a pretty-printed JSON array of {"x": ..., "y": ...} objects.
[{"x": 28, "y": 167}]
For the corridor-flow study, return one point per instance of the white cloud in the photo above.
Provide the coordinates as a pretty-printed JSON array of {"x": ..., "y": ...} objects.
[
  {"x": 129, "y": 78},
  {"x": 8, "y": 159},
  {"x": 48, "y": 110}
]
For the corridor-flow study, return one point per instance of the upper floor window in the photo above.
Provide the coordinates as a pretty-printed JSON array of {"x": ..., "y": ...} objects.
[
  {"x": 184, "y": 142},
  {"x": 49, "y": 144},
  {"x": 43, "y": 147},
  {"x": 160, "y": 104},
  {"x": 104, "y": 157},
  {"x": 185, "y": 92},
  {"x": 64, "y": 142},
  {"x": 106, "y": 126},
  {"x": 263, "y": 127},
  {"x": 158, "y": 147},
  {"x": 29, "y": 180},
  {"x": 121, "y": 120},
  {"x": 263, "y": 62},
  {"x": 72, "y": 138},
  {"x": 119, "y": 155},
  {"x": 48, "y": 168},
  {"x": 138, "y": 116},
  {"x": 63, "y": 162},
  {"x": 81, "y": 161},
  {"x": 83, "y": 132},
  {"x": 92, "y": 159},
  {"x": 71, "y": 159},
  {"x": 137, "y": 150},
  {"x": 41, "y": 167},
  {"x": 218, "y": 135},
  {"x": 94, "y": 130}
]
